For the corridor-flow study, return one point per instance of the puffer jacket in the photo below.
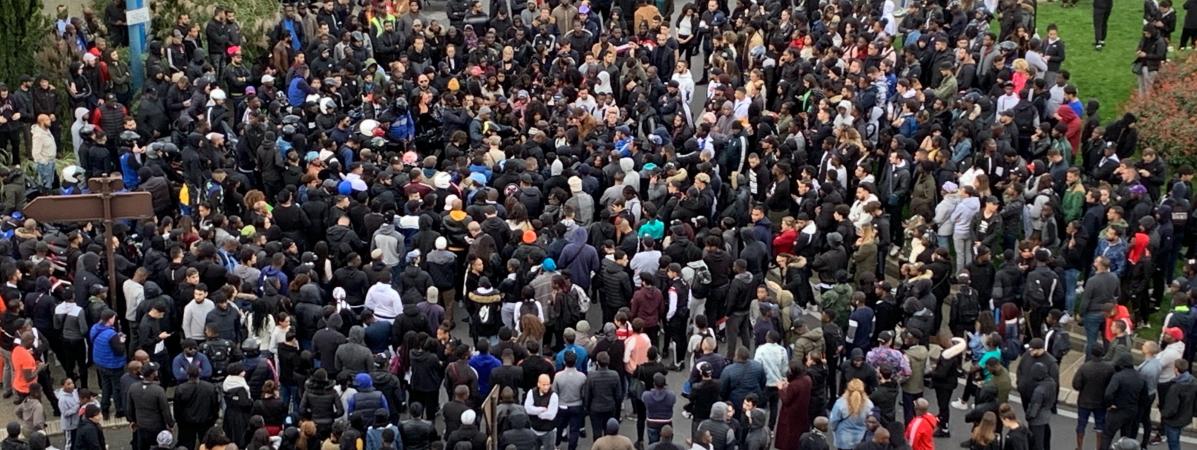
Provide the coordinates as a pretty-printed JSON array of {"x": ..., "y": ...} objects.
[
  {"x": 321, "y": 402},
  {"x": 615, "y": 286}
]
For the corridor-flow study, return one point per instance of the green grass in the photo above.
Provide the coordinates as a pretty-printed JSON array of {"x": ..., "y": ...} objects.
[{"x": 1104, "y": 75}]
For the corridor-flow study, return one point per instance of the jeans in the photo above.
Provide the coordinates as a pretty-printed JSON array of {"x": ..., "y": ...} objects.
[
  {"x": 548, "y": 440},
  {"x": 654, "y": 433},
  {"x": 110, "y": 387},
  {"x": 45, "y": 176},
  {"x": 1146, "y": 80},
  {"x": 1172, "y": 436},
  {"x": 508, "y": 312},
  {"x": 290, "y": 393},
  {"x": 1093, "y": 322},
  {"x": 964, "y": 251},
  {"x": 773, "y": 400},
  {"x": 1070, "y": 279},
  {"x": 1082, "y": 419},
  {"x": 570, "y": 419}
]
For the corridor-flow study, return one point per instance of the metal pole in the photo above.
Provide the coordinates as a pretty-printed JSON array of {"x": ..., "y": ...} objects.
[
  {"x": 109, "y": 247},
  {"x": 137, "y": 33}
]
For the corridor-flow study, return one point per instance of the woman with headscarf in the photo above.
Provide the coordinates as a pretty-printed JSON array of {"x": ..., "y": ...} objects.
[
  {"x": 794, "y": 418},
  {"x": 1138, "y": 272}
]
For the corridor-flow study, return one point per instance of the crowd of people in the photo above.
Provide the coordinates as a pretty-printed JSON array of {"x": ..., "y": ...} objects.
[{"x": 388, "y": 231}]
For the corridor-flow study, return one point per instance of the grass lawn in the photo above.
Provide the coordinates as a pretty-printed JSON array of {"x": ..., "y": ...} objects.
[{"x": 1104, "y": 75}]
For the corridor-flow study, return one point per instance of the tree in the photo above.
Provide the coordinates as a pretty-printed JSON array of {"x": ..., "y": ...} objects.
[
  {"x": 25, "y": 28},
  {"x": 1167, "y": 119}
]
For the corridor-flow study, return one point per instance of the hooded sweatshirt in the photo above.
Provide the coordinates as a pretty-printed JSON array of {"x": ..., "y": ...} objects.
[
  {"x": 390, "y": 242},
  {"x": 354, "y": 356}
]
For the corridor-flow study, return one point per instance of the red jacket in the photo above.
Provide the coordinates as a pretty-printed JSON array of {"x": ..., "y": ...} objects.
[
  {"x": 784, "y": 242},
  {"x": 1120, "y": 313},
  {"x": 920, "y": 432}
]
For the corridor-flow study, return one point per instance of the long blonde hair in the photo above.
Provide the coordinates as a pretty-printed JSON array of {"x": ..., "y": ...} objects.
[{"x": 855, "y": 397}]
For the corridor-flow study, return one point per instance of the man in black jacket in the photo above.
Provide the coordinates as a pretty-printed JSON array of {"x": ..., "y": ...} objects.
[
  {"x": 1123, "y": 395},
  {"x": 602, "y": 394},
  {"x": 197, "y": 406},
  {"x": 1090, "y": 383},
  {"x": 148, "y": 409},
  {"x": 739, "y": 297},
  {"x": 614, "y": 284},
  {"x": 89, "y": 435},
  {"x": 417, "y": 433}
]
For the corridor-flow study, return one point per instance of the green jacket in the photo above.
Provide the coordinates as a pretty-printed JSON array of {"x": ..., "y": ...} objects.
[{"x": 1074, "y": 202}]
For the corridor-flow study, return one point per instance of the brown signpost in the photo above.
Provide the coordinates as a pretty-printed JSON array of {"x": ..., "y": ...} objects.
[{"x": 104, "y": 205}]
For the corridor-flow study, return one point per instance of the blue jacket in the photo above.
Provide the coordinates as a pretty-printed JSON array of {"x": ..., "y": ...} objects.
[
  {"x": 578, "y": 350},
  {"x": 849, "y": 430},
  {"x": 484, "y": 364},
  {"x": 129, "y": 172},
  {"x": 741, "y": 379},
  {"x": 179, "y": 366},
  {"x": 104, "y": 352},
  {"x": 297, "y": 91}
]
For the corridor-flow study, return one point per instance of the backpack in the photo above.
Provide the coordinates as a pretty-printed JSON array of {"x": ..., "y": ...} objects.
[
  {"x": 698, "y": 276},
  {"x": 966, "y": 309},
  {"x": 220, "y": 354},
  {"x": 1012, "y": 343},
  {"x": 583, "y": 299},
  {"x": 1038, "y": 294}
]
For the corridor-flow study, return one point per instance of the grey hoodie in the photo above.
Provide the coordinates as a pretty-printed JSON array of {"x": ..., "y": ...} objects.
[
  {"x": 354, "y": 357},
  {"x": 717, "y": 425},
  {"x": 390, "y": 242}
]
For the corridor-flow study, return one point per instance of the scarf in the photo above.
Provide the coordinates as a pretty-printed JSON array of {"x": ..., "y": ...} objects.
[{"x": 232, "y": 382}]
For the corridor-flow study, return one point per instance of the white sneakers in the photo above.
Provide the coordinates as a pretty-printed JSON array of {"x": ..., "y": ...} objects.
[{"x": 961, "y": 405}]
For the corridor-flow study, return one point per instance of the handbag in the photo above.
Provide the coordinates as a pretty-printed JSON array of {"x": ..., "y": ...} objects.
[{"x": 1137, "y": 68}]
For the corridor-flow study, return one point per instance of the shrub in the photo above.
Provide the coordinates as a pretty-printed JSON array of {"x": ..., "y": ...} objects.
[
  {"x": 25, "y": 30},
  {"x": 1168, "y": 117},
  {"x": 257, "y": 19}
]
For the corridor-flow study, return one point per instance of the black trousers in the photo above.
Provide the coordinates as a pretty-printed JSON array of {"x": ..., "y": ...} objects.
[
  {"x": 1101, "y": 17},
  {"x": 676, "y": 328},
  {"x": 1041, "y": 437},
  {"x": 190, "y": 434},
  {"x": 943, "y": 399},
  {"x": 145, "y": 438},
  {"x": 74, "y": 361},
  {"x": 1188, "y": 36},
  {"x": 430, "y": 401},
  {"x": 10, "y": 146},
  {"x": 1121, "y": 421}
]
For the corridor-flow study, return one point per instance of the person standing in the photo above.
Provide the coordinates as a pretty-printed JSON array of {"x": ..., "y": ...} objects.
[
  {"x": 568, "y": 384},
  {"x": 603, "y": 393},
  {"x": 196, "y": 407},
  {"x": 542, "y": 405},
  {"x": 1123, "y": 395},
  {"x": 149, "y": 410},
  {"x": 1178, "y": 407},
  {"x": 1101, "y": 18},
  {"x": 108, "y": 354},
  {"x": 1101, "y": 290},
  {"x": 920, "y": 430},
  {"x": 90, "y": 435},
  {"x": 1153, "y": 50},
  {"x": 44, "y": 151}
]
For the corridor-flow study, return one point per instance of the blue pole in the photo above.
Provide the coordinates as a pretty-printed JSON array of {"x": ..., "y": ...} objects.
[{"x": 137, "y": 23}]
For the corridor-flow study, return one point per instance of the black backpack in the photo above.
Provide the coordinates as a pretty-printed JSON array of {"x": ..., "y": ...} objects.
[
  {"x": 220, "y": 354},
  {"x": 967, "y": 307}
]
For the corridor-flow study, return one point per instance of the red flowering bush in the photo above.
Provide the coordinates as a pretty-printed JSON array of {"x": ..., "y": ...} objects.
[{"x": 1168, "y": 117}]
